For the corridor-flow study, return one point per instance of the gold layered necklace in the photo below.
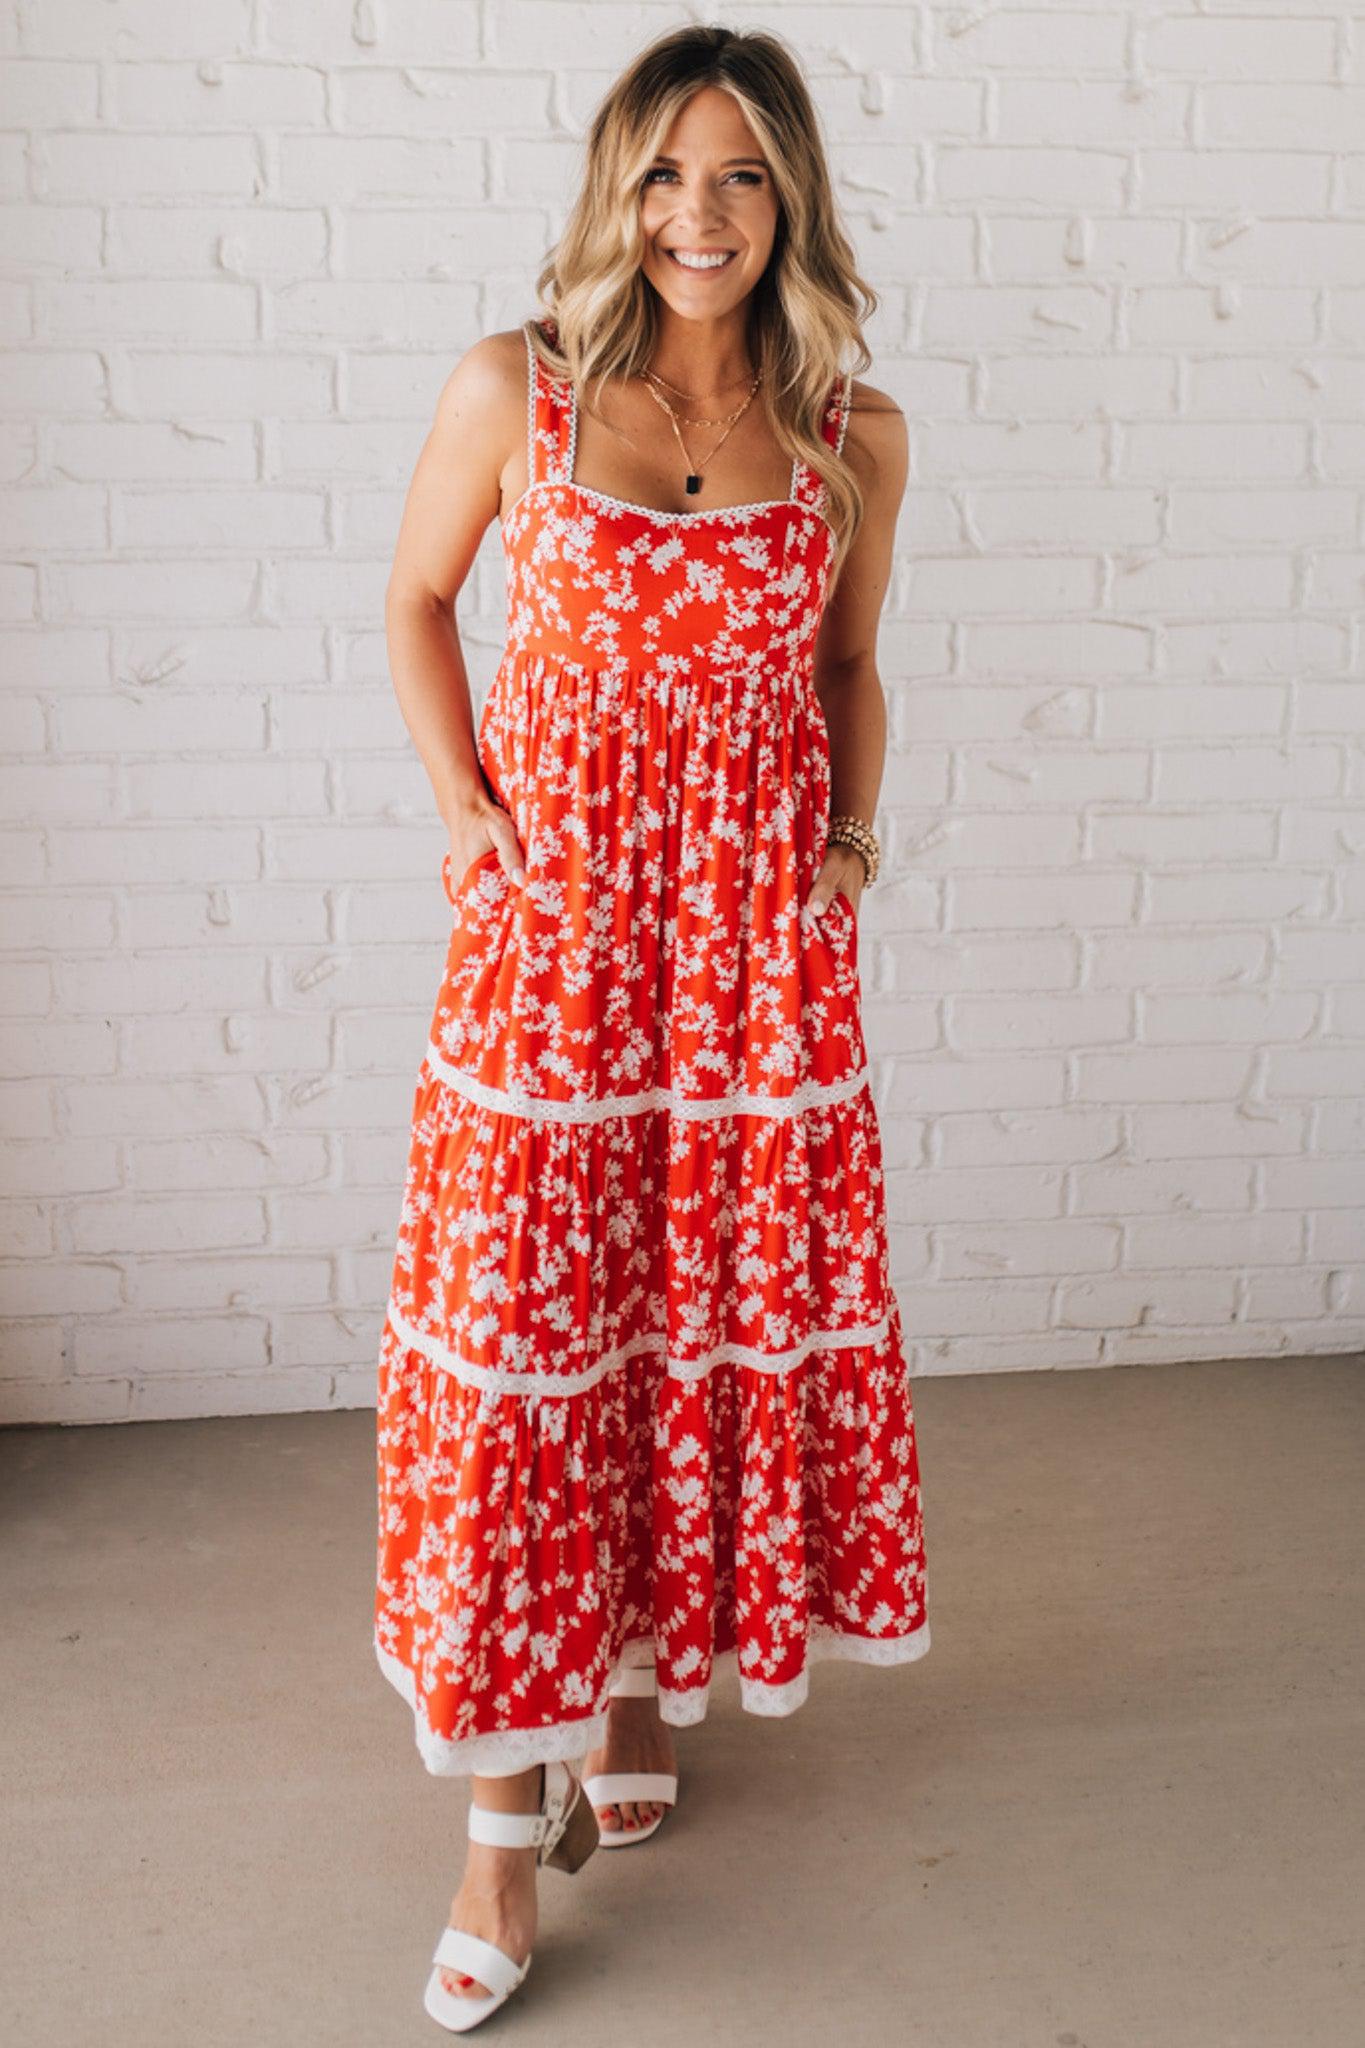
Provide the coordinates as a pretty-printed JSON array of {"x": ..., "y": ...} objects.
[{"x": 728, "y": 421}]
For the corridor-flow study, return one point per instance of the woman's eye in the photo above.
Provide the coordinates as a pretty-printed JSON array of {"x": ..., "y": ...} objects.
[{"x": 663, "y": 171}]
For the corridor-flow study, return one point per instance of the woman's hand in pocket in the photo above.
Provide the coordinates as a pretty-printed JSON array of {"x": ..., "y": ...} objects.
[
  {"x": 474, "y": 829},
  {"x": 843, "y": 872}
]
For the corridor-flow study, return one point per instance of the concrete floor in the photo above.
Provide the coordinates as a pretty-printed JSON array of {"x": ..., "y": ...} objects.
[{"x": 1118, "y": 1805}]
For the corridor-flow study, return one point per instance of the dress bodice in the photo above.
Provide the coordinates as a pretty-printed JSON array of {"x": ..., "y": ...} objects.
[{"x": 596, "y": 580}]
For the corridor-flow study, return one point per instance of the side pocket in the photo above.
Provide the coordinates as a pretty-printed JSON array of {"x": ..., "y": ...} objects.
[
  {"x": 847, "y": 940},
  {"x": 849, "y": 910},
  {"x": 458, "y": 889}
]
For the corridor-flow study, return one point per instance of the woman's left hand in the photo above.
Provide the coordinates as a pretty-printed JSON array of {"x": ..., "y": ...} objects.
[{"x": 842, "y": 870}]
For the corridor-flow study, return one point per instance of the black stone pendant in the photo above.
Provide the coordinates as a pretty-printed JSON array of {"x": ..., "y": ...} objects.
[{"x": 693, "y": 486}]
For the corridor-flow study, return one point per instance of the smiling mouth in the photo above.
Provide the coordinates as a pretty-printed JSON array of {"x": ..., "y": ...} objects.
[{"x": 701, "y": 266}]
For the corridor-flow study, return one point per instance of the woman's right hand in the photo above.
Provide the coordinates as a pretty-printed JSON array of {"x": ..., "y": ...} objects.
[{"x": 474, "y": 828}]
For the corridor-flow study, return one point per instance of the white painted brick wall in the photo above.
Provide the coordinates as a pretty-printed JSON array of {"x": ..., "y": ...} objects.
[{"x": 1115, "y": 970}]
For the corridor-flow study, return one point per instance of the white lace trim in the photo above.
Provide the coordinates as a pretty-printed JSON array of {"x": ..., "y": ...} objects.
[
  {"x": 512, "y": 1380},
  {"x": 571, "y": 454},
  {"x": 531, "y": 367},
  {"x": 499, "y": 1753},
  {"x": 682, "y": 518},
  {"x": 516, "y": 1749},
  {"x": 845, "y": 407},
  {"x": 597, "y": 1108}
]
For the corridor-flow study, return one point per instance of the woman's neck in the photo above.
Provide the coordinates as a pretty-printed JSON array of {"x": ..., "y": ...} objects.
[{"x": 707, "y": 358}]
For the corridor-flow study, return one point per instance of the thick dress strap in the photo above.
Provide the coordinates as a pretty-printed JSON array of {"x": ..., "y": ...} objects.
[
  {"x": 549, "y": 418},
  {"x": 808, "y": 488}
]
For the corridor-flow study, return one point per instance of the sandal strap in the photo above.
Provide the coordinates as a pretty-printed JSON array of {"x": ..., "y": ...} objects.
[
  {"x": 508, "y": 1830},
  {"x": 481, "y": 1960},
  {"x": 636, "y": 1680},
  {"x": 609, "y": 1786},
  {"x": 540, "y": 1830}
]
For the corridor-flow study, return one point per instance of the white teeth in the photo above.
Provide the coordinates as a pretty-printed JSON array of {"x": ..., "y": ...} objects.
[{"x": 700, "y": 262}]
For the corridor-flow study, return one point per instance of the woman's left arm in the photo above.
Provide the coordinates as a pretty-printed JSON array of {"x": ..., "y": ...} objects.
[{"x": 876, "y": 446}]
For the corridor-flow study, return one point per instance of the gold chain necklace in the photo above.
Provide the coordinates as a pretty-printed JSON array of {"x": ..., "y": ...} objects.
[
  {"x": 692, "y": 397},
  {"x": 694, "y": 476},
  {"x": 700, "y": 421}
]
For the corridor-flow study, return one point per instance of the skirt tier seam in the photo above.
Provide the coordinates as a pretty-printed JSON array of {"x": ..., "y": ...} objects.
[{"x": 511, "y": 1380}]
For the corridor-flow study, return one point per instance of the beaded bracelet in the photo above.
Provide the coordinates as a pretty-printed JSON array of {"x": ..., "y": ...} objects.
[{"x": 846, "y": 830}]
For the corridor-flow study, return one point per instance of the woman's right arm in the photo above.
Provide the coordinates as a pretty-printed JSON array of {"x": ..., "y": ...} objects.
[{"x": 454, "y": 496}]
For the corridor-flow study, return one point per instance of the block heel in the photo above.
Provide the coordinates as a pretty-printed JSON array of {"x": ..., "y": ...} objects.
[{"x": 580, "y": 1837}]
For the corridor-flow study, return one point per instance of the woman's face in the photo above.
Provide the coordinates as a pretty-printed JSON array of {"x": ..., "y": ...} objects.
[{"x": 709, "y": 193}]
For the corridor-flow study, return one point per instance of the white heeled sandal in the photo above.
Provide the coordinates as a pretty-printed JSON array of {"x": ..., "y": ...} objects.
[
  {"x": 564, "y": 1832},
  {"x": 608, "y": 1788}
]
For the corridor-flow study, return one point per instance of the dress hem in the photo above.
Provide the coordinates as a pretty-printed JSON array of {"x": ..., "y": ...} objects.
[{"x": 500, "y": 1752}]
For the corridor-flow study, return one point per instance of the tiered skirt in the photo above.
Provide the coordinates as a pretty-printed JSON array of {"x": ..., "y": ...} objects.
[{"x": 643, "y": 1387}]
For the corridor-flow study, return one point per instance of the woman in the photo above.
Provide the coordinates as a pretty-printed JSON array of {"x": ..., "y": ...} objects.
[{"x": 643, "y": 1408}]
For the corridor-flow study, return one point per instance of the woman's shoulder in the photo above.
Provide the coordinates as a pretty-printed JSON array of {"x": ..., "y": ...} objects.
[
  {"x": 489, "y": 379},
  {"x": 871, "y": 409},
  {"x": 494, "y": 359}
]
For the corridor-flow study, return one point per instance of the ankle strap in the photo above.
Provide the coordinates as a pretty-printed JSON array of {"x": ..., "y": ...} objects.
[
  {"x": 507, "y": 1830},
  {"x": 539, "y": 1830},
  {"x": 636, "y": 1681}
]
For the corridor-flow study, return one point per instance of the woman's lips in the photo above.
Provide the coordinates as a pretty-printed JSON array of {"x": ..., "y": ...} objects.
[{"x": 701, "y": 269}]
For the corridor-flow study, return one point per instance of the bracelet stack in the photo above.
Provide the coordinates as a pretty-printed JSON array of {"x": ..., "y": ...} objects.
[{"x": 845, "y": 830}]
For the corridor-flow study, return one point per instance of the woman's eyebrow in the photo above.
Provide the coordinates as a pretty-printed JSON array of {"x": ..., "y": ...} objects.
[{"x": 661, "y": 159}]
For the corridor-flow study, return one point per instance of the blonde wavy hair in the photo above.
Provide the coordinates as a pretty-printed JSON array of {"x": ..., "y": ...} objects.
[{"x": 807, "y": 309}]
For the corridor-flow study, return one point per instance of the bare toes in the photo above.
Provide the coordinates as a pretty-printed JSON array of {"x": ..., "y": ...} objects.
[{"x": 459, "y": 1983}]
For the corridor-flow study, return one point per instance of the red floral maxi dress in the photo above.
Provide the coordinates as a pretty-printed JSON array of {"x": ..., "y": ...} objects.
[{"x": 642, "y": 1384}]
